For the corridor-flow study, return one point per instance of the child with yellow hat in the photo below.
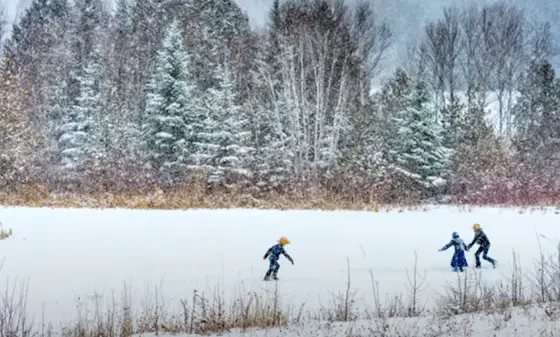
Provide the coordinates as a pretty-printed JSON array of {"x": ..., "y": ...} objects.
[
  {"x": 481, "y": 239},
  {"x": 273, "y": 254}
]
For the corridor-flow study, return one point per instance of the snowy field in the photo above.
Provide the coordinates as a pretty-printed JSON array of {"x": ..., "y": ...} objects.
[{"x": 71, "y": 255}]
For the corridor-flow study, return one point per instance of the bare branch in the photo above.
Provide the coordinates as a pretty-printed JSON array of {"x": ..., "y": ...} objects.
[
  {"x": 541, "y": 42},
  {"x": 442, "y": 48},
  {"x": 374, "y": 38}
]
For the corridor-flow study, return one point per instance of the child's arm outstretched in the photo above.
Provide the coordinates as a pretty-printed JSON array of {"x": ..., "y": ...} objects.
[
  {"x": 287, "y": 256},
  {"x": 446, "y": 246},
  {"x": 267, "y": 253}
]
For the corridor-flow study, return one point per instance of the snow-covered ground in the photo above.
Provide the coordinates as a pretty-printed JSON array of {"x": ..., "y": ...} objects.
[
  {"x": 72, "y": 254},
  {"x": 531, "y": 322}
]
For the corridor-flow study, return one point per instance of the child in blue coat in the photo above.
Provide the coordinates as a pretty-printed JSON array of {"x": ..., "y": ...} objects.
[
  {"x": 458, "y": 261},
  {"x": 273, "y": 254}
]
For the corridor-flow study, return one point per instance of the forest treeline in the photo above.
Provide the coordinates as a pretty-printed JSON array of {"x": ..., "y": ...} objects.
[{"x": 165, "y": 94}]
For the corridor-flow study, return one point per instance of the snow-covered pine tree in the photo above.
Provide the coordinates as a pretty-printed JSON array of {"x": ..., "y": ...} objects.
[
  {"x": 122, "y": 45},
  {"x": 367, "y": 157},
  {"x": 272, "y": 47},
  {"x": 452, "y": 117},
  {"x": 80, "y": 134},
  {"x": 475, "y": 130},
  {"x": 216, "y": 29},
  {"x": 172, "y": 120},
  {"x": 418, "y": 157},
  {"x": 58, "y": 101},
  {"x": 375, "y": 130},
  {"x": 148, "y": 31},
  {"x": 119, "y": 63},
  {"x": 224, "y": 150},
  {"x": 478, "y": 154}
]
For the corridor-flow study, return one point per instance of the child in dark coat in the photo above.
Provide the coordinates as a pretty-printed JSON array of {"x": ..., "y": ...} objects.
[
  {"x": 273, "y": 255},
  {"x": 481, "y": 238},
  {"x": 458, "y": 261}
]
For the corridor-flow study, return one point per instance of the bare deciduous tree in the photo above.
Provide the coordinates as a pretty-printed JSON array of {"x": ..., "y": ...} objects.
[
  {"x": 442, "y": 48},
  {"x": 541, "y": 42},
  {"x": 503, "y": 34},
  {"x": 327, "y": 58},
  {"x": 375, "y": 38},
  {"x": 472, "y": 61}
]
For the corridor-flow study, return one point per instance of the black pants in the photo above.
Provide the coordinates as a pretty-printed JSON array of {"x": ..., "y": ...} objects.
[{"x": 484, "y": 251}]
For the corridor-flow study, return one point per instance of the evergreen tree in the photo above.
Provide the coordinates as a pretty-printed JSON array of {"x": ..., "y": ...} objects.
[
  {"x": 477, "y": 153},
  {"x": 80, "y": 139},
  {"x": 474, "y": 128},
  {"x": 82, "y": 134},
  {"x": 273, "y": 49},
  {"x": 171, "y": 113},
  {"x": 58, "y": 89},
  {"x": 452, "y": 120},
  {"x": 418, "y": 156},
  {"x": 225, "y": 151},
  {"x": 536, "y": 113},
  {"x": 122, "y": 49},
  {"x": 87, "y": 28},
  {"x": 216, "y": 29},
  {"x": 148, "y": 31},
  {"x": 41, "y": 29},
  {"x": 16, "y": 140},
  {"x": 375, "y": 130}
]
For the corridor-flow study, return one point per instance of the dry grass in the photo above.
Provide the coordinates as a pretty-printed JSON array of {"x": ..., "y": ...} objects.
[
  {"x": 5, "y": 233},
  {"x": 187, "y": 198},
  {"x": 196, "y": 196},
  {"x": 203, "y": 314}
]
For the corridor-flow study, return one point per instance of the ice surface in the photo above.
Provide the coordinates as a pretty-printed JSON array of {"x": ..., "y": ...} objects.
[{"x": 74, "y": 253}]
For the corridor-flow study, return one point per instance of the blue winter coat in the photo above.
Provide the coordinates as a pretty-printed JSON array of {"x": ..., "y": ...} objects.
[
  {"x": 274, "y": 252},
  {"x": 458, "y": 260}
]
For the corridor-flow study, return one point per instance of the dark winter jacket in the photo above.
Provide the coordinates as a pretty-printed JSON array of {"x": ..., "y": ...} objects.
[
  {"x": 274, "y": 252},
  {"x": 481, "y": 239}
]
